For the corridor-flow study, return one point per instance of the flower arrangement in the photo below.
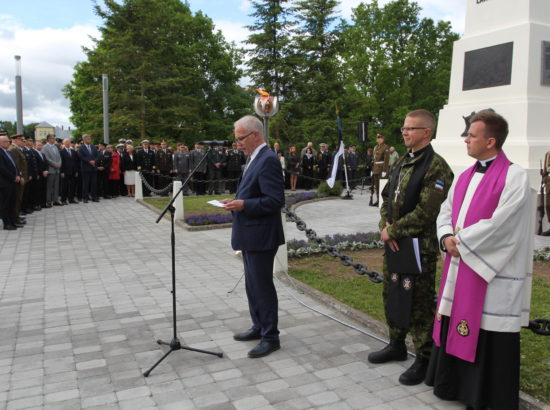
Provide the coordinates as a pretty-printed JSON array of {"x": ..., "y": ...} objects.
[
  {"x": 542, "y": 254},
  {"x": 209, "y": 219}
]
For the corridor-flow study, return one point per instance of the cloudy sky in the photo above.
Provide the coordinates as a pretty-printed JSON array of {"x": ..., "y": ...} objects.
[{"x": 49, "y": 36}]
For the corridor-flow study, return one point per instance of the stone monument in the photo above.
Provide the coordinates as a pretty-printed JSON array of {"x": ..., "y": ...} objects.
[{"x": 501, "y": 62}]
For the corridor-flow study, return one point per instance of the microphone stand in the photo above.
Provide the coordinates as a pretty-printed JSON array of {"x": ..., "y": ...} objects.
[{"x": 175, "y": 343}]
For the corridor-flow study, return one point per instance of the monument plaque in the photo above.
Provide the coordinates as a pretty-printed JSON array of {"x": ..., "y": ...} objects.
[
  {"x": 545, "y": 63},
  {"x": 488, "y": 67}
]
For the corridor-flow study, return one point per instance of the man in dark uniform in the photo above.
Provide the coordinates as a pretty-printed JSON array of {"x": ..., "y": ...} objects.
[
  {"x": 380, "y": 160},
  {"x": 104, "y": 161},
  {"x": 324, "y": 160},
  {"x": 16, "y": 150},
  {"x": 10, "y": 179},
  {"x": 181, "y": 165},
  {"x": 215, "y": 162},
  {"x": 411, "y": 200},
  {"x": 200, "y": 174},
  {"x": 164, "y": 163},
  {"x": 145, "y": 160},
  {"x": 121, "y": 150},
  {"x": 352, "y": 162},
  {"x": 68, "y": 172},
  {"x": 42, "y": 179},
  {"x": 32, "y": 174},
  {"x": 235, "y": 162}
]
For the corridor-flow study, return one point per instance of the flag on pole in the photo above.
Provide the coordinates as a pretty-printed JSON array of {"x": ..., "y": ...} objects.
[{"x": 339, "y": 153}]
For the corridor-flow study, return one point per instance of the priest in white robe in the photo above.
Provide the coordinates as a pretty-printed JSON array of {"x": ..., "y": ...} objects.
[{"x": 486, "y": 227}]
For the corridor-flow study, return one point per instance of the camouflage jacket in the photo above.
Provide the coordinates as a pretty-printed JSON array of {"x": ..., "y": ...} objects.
[{"x": 420, "y": 222}]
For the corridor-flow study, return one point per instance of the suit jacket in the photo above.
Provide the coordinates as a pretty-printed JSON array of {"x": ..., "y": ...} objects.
[
  {"x": 8, "y": 171},
  {"x": 259, "y": 227},
  {"x": 51, "y": 152},
  {"x": 68, "y": 162},
  {"x": 41, "y": 163},
  {"x": 86, "y": 156},
  {"x": 145, "y": 160},
  {"x": 32, "y": 166}
]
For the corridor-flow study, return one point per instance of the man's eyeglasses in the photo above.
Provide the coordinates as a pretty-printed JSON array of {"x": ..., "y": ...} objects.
[
  {"x": 409, "y": 129},
  {"x": 241, "y": 139}
]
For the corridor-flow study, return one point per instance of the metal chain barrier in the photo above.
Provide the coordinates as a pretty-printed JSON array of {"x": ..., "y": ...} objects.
[
  {"x": 540, "y": 327},
  {"x": 153, "y": 189},
  {"x": 346, "y": 260}
]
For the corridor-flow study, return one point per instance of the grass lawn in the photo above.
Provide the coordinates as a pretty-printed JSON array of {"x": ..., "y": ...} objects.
[
  {"x": 193, "y": 205},
  {"x": 327, "y": 275}
]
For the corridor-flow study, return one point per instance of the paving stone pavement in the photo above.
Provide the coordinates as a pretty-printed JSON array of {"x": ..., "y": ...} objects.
[{"x": 85, "y": 293}]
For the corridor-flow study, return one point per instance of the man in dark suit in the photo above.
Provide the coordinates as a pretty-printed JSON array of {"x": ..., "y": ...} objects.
[
  {"x": 68, "y": 172},
  {"x": 88, "y": 157},
  {"x": 258, "y": 232},
  {"x": 145, "y": 160},
  {"x": 42, "y": 179},
  {"x": 9, "y": 180}
]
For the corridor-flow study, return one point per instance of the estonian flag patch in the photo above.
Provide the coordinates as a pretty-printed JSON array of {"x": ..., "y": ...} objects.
[{"x": 439, "y": 184}]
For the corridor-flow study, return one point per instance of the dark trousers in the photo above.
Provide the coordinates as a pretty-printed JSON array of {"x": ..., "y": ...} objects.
[
  {"x": 113, "y": 187},
  {"x": 200, "y": 182},
  {"x": 232, "y": 186},
  {"x": 7, "y": 204},
  {"x": 27, "y": 195},
  {"x": 214, "y": 176},
  {"x": 260, "y": 291},
  {"x": 89, "y": 184},
  {"x": 67, "y": 188},
  {"x": 39, "y": 197}
]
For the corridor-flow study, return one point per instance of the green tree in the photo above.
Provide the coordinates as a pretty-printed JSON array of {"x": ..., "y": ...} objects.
[
  {"x": 319, "y": 86},
  {"x": 269, "y": 65},
  {"x": 394, "y": 62},
  {"x": 170, "y": 74}
]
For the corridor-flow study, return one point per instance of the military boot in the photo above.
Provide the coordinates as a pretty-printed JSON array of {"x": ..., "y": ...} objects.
[
  {"x": 394, "y": 351},
  {"x": 416, "y": 373}
]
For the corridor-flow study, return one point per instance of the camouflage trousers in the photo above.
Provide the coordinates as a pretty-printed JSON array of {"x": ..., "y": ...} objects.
[{"x": 422, "y": 310}]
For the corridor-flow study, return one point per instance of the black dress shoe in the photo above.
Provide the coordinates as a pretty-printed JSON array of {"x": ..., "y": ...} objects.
[
  {"x": 57, "y": 203},
  {"x": 95, "y": 200},
  {"x": 10, "y": 228},
  {"x": 48, "y": 205},
  {"x": 394, "y": 351},
  {"x": 20, "y": 221},
  {"x": 72, "y": 201},
  {"x": 416, "y": 373},
  {"x": 250, "y": 334},
  {"x": 37, "y": 208},
  {"x": 18, "y": 225},
  {"x": 263, "y": 349},
  {"x": 85, "y": 201}
]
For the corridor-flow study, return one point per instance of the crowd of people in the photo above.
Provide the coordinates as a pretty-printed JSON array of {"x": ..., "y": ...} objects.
[{"x": 55, "y": 172}]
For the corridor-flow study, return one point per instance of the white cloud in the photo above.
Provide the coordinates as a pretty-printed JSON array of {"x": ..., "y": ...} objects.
[
  {"x": 47, "y": 59},
  {"x": 232, "y": 30}
]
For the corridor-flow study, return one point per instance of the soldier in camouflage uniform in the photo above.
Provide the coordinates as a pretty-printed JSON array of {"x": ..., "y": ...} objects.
[
  {"x": 380, "y": 160},
  {"x": 418, "y": 184}
]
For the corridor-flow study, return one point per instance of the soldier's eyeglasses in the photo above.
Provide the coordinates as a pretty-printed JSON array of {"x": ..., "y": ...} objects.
[
  {"x": 409, "y": 129},
  {"x": 241, "y": 139}
]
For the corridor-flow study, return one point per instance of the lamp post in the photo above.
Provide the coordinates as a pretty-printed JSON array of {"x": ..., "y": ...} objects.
[
  {"x": 18, "y": 95},
  {"x": 105, "y": 81},
  {"x": 266, "y": 106}
]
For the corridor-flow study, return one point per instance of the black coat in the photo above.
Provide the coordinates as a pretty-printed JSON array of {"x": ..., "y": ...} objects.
[{"x": 69, "y": 162}]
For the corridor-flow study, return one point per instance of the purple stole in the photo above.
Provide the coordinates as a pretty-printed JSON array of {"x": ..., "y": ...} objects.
[{"x": 471, "y": 288}]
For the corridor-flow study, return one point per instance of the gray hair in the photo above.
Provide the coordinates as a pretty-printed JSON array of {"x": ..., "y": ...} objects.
[
  {"x": 86, "y": 135},
  {"x": 250, "y": 123}
]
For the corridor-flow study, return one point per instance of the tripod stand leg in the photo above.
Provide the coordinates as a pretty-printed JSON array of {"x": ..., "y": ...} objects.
[
  {"x": 146, "y": 374},
  {"x": 202, "y": 351}
]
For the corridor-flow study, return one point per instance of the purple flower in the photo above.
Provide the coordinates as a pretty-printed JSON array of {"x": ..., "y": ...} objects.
[{"x": 210, "y": 219}]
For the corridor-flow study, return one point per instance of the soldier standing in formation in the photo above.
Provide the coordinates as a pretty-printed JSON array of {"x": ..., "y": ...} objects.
[
  {"x": 181, "y": 165},
  {"x": 235, "y": 162},
  {"x": 324, "y": 160},
  {"x": 215, "y": 162},
  {"x": 199, "y": 177},
  {"x": 145, "y": 161},
  {"x": 21, "y": 161},
  {"x": 164, "y": 163},
  {"x": 352, "y": 162},
  {"x": 417, "y": 186},
  {"x": 380, "y": 160}
]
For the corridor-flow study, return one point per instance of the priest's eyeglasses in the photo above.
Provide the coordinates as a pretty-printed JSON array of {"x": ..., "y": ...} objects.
[
  {"x": 409, "y": 129},
  {"x": 241, "y": 139}
]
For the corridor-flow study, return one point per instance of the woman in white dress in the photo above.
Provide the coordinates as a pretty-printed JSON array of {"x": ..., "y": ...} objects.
[{"x": 130, "y": 171}]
